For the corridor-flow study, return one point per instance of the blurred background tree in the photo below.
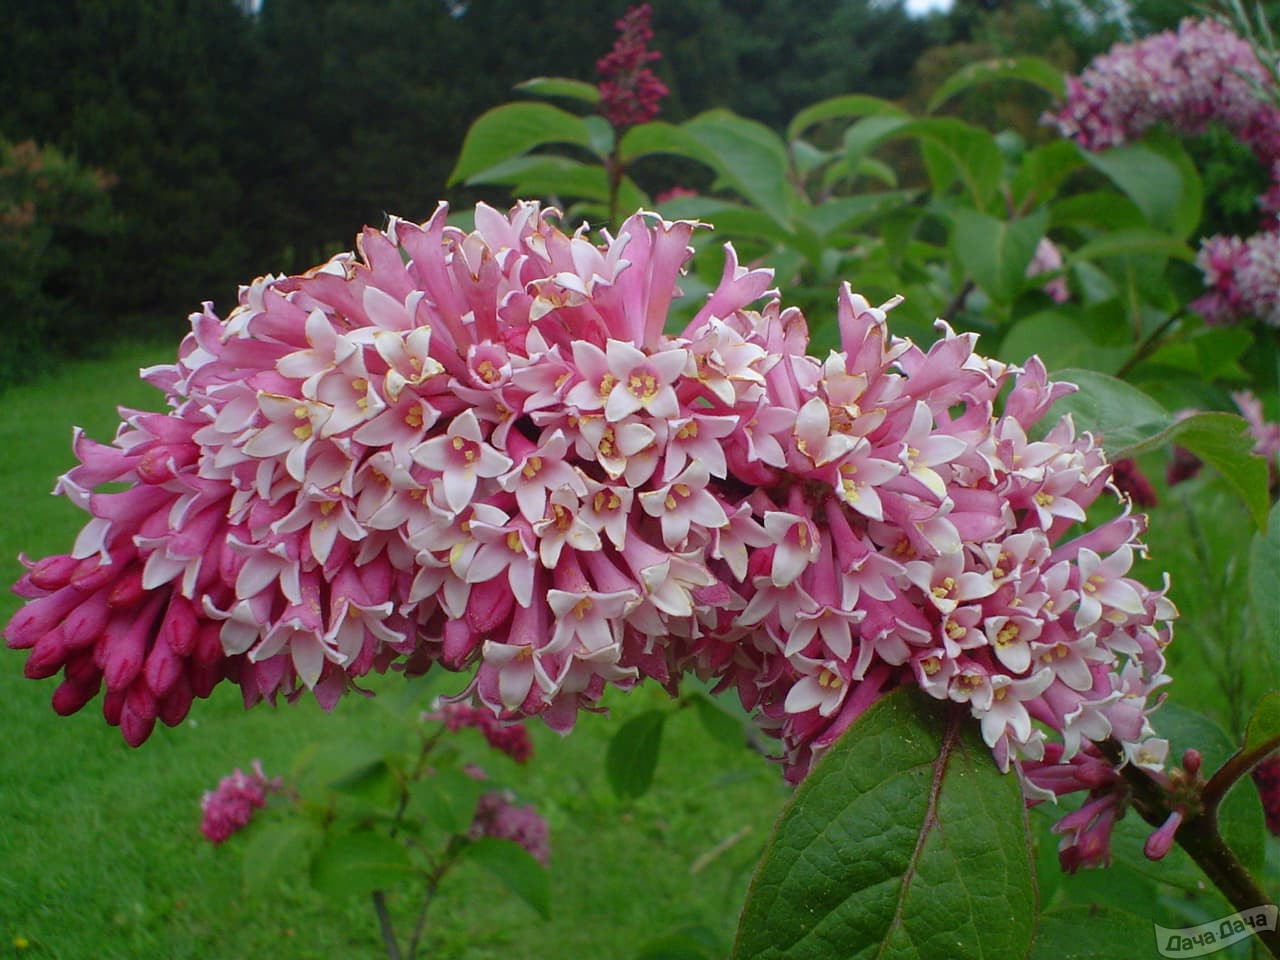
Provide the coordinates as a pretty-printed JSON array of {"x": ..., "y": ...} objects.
[{"x": 247, "y": 136}]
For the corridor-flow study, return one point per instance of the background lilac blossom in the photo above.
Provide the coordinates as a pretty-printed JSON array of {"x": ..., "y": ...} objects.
[{"x": 1203, "y": 73}]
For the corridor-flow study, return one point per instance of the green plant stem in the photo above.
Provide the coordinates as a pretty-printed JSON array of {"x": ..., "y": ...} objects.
[
  {"x": 433, "y": 884},
  {"x": 614, "y": 169},
  {"x": 384, "y": 924},
  {"x": 1236, "y": 767},
  {"x": 1198, "y": 835},
  {"x": 1148, "y": 343}
]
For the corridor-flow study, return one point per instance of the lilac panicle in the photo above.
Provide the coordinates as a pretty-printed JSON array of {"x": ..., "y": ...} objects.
[{"x": 481, "y": 449}]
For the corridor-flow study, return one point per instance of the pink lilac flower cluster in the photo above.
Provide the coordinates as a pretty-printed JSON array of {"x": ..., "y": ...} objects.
[
  {"x": 480, "y": 449},
  {"x": 1202, "y": 73},
  {"x": 497, "y": 816},
  {"x": 509, "y": 737},
  {"x": 629, "y": 91},
  {"x": 1243, "y": 277},
  {"x": 230, "y": 807}
]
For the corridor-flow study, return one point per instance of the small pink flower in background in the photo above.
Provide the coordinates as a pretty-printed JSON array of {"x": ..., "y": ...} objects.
[
  {"x": 1266, "y": 776},
  {"x": 1266, "y": 434},
  {"x": 1047, "y": 259},
  {"x": 629, "y": 91},
  {"x": 1133, "y": 483},
  {"x": 229, "y": 808},
  {"x": 497, "y": 816},
  {"x": 510, "y": 738},
  {"x": 674, "y": 193}
]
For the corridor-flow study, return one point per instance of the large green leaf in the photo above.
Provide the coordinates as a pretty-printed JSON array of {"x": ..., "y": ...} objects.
[
  {"x": 1150, "y": 180},
  {"x": 1135, "y": 241},
  {"x": 1222, "y": 440},
  {"x": 632, "y": 756},
  {"x": 359, "y": 862},
  {"x": 275, "y": 852},
  {"x": 840, "y": 108},
  {"x": 1088, "y": 933},
  {"x": 1264, "y": 579},
  {"x": 514, "y": 129},
  {"x": 1031, "y": 70},
  {"x": 996, "y": 253},
  {"x": 1042, "y": 171},
  {"x": 1118, "y": 413},
  {"x": 1061, "y": 341},
  {"x": 1129, "y": 422},
  {"x": 1264, "y": 724},
  {"x": 749, "y": 158},
  {"x": 447, "y": 799},
  {"x": 905, "y": 842},
  {"x": 561, "y": 87},
  {"x": 952, "y": 151},
  {"x": 547, "y": 176},
  {"x": 516, "y": 868}
]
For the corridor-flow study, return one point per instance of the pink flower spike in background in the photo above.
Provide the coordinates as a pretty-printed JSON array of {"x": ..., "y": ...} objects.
[
  {"x": 230, "y": 807},
  {"x": 629, "y": 91}
]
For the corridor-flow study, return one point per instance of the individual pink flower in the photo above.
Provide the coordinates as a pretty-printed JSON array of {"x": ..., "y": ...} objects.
[{"x": 1048, "y": 259}]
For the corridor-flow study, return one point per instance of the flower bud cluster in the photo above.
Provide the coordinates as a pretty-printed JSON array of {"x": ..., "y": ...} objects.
[
  {"x": 629, "y": 91},
  {"x": 481, "y": 449}
]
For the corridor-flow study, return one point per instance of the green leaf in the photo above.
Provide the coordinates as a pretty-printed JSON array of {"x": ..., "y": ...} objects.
[
  {"x": 1264, "y": 723},
  {"x": 1264, "y": 575},
  {"x": 560, "y": 87},
  {"x": 359, "y": 863},
  {"x": 1134, "y": 241},
  {"x": 1222, "y": 440},
  {"x": 863, "y": 137},
  {"x": 1061, "y": 341},
  {"x": 516, "y": 868},
  {"x": 373, "y": 782},
  {"x": 905, "y": 841},
  {"x": 274, "y": 852},
  {"x": 447, "y": 799},
  {"x": 514, "y": 129},
  {"x": 1042, "y": 171},
  {"x": 748, "y": 156},
  {"x": 632, "y": 756},
  {"x": 957, "y": 151},
  {"x": 1119, "y": 414},
  {"x": 1149, "y": 179},
  {"x": 844, "y": 213},
  {"x": 1031, "y": 70},
  {"x": 691, "y": 943},
  {"x": 841, "y": 108},
  {"x": 723, "y": 726},
  {"x": 995, "y": 253},
  {"x": 544, "y": 175},
  {"x": 1087, "y": 933}
]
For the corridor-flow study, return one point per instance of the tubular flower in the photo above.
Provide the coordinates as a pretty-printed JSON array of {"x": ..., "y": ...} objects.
[{"x": 871, "y": 520}]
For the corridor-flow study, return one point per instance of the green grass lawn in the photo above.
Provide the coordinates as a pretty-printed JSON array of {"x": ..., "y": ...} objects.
[{"x": 100, "y": 856}]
